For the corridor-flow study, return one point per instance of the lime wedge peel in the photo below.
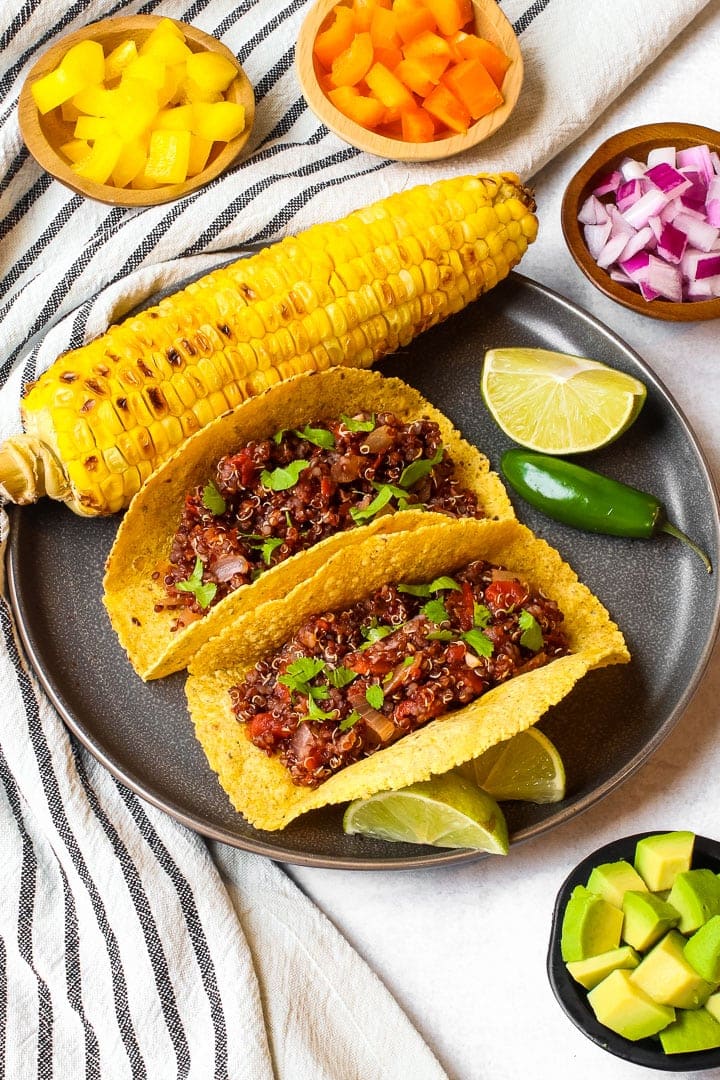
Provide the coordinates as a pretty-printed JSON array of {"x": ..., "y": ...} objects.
[
  {"x": 557, "y": 403},
  {"x": 447, "y": 811},
  {"x": 527, "y": 767}
]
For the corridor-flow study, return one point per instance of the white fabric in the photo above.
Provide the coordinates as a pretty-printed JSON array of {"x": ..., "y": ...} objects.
[{"x": 129, "y": 947}]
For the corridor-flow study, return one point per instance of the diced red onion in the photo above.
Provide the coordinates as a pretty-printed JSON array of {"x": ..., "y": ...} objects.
[{"x": 656, "y": 226}]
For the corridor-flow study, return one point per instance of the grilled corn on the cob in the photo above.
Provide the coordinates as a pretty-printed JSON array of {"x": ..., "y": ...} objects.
[{"x": 348, "y": 292}]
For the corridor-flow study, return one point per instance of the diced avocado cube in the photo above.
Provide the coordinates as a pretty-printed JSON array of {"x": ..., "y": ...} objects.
[
  {"x": 596, "y": 968},
  {"x": 667, "y": 977},
  {"x": 702, "y": 951},
  {"x": 692, "y": 1030},
  {"x": 623, "y": 1007},
  {"x": 659, "y": 858},
  {"x": 647, "y": 918},
  {"x": 695, "y": 895},
  {"x": 613, "y": 880},
  {"x": 713, "y": 1006},
  {"x": 590, "y": 926}
]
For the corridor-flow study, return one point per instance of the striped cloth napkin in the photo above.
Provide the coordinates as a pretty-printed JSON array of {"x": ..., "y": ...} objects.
[{"x": 129, "y": 947}]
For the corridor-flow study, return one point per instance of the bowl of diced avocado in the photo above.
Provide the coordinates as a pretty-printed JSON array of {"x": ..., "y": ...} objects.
[{"x": 634, "y": 955}]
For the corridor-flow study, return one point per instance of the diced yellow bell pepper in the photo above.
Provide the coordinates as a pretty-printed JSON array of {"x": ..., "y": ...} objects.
[
  {"x": 131, "y": 161},
  {"x": 137, "y": 107},
  {"x": 219, "y": 122},
  {"x": 96, "y": 101},
  {"x": 199, "y": 154},
  {"x": 168, "y": 156},
  {"x": 76, "y": 150},
  {"x": 191, "y": 93},
  {"x": 53, "y": 89},
  {"x": 93, "y": 127},
  {"x": 166, "y": 47},
  {"x": 101, "y": 161},
  {"x": 119, "y": 58},
  {"x": 171, "y": 89},
  {"x": 147, "y": 68},
  {"x": 210, "y": 71},
  {"x": 179, "y": 118},
  {"x": 69, "y": 112},
  {"x": 85, "y": 61},
  {"x": 164, "y": 28},
  {"x": 142, "y": 182}
]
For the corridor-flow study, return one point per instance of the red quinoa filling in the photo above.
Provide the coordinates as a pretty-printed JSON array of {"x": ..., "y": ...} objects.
[
  {"x": 352, "y": 682},
  {"x": 271, "y": 499}
]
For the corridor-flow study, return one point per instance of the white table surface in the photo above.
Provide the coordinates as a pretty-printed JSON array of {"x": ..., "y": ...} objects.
[{"x": 463, "y": 949}]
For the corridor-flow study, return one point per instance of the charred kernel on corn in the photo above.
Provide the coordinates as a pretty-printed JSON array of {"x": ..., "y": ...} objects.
[{"x": 348, "y": 292}]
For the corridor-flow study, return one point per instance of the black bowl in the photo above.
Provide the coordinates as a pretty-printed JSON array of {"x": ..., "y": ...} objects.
[{"x": 573, "y": 997}]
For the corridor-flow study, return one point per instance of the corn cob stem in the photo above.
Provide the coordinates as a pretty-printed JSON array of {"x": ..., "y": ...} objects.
[{"x": 104, "y": 416}]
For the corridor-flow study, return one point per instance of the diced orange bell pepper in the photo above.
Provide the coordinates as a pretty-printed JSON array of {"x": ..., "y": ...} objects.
[
  {"x": 469, "y": 47},
  {"x": 411, "y": 19},
  {"x": 472, "y": 84},
  {"x": 363, "y": 11},
  {"x": 336, "y": 37},
  {"x": 353, "y": 63},
  {"x": 451, "y": 15},
  {"x": 383, "y": 30},
  {"x": 432, "y": 50},
  {"x": 388, "y": 89},
  {"x": 415, "y": 76},
  {"x": 417, "y": 125},
  {"x": 445, "y": 107},
  {"x": 366, "y": 111},
  {"x": 389, "y": 58}
]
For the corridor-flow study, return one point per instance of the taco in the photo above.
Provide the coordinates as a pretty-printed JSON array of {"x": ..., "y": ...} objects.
[
  {"x": 260, "y": 498},
  {"x": 399, "y": 659}
]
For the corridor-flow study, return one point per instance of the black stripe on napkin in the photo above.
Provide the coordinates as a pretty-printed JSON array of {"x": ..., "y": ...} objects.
[
  {"x": 73, "y": 980},
  {"x": 62, "y": 825},
  {"x": 193, "y": 923},
  {"x": 528, "y": 16},
  {"x": 148, "y": 926}
]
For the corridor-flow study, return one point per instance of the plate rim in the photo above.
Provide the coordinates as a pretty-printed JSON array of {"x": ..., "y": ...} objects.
[{"x": 443, "y": 857}]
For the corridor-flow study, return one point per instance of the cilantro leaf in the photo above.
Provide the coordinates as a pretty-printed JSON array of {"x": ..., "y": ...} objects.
[
  {"x": 375, "y": 696},
  {"x": 358, "y": 425},
  {"x": 269, "y": 546},
  {"x": 319, "y": 693},
  {"x": 440, "y": 635},
  {"x": 277, "y": 437},
  {"x": 414, "y": 590},
  {"x": 531, "y": 636},
  {"x": 396, "y": 492},
  {"x": 419, "y": 468},
  {"x": 284, "y": 477},
  {"x": 434, "y": 586},
  {"x": 481, "y": 614},
  {"x": 204, "y": 594},
  {"x": 361, "y": 515},
  {"x": 373, "y": 634},
  {"x": 318, "y": 436},
  {"x": 305, "y": 667},
  {"x": 314, "y": 712},
  {"x": 477, "y": 641},
  {"x": 213, "y": 500},
  {"x": 435, "y": 611},
  {"x": 351, "y": 719},
  {"x": 341, "y": 676}
]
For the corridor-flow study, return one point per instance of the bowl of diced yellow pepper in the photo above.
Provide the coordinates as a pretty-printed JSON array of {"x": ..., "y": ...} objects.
[{"x": 136, "y": 110}]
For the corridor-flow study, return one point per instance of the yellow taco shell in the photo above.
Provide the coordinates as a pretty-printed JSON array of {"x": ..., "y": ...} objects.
[
  {"x": 144, "y": 537},
  {"x": 260, "y": 787}
]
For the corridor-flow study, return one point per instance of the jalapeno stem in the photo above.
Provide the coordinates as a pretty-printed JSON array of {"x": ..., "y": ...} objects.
[{"x": 668, "y": 527}]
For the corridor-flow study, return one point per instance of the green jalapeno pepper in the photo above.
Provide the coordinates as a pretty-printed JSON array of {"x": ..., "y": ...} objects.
[{"x": 587, "y": 500}]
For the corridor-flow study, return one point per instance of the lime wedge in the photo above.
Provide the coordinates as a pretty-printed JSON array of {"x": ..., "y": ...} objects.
[
  {"x": 558, "y": 404},
  {"x": 448, "y": 811},
  {"x": 526, "y": 767}
]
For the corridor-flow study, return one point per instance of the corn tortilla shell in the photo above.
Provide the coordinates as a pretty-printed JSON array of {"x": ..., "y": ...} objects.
[
  {"x": 144, "y": 537},
  {"x": 260, "y": 787}
]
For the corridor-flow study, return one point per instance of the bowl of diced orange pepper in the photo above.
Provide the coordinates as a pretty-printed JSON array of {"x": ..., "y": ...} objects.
[
  {"x": 410, "y": 79},
  {"x": 136, "y": 110}
]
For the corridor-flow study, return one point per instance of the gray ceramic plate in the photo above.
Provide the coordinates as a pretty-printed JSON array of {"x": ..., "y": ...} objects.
[{"x": 656, "y": 590}]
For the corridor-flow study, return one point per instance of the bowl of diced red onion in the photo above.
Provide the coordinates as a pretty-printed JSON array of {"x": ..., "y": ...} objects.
[{"x": 641, "y": 218}]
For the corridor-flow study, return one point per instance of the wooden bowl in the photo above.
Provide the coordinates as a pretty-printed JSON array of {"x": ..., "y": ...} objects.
[
  {"x": 44, "y": 134},
  {"x": 489, "y": 23},
  {"x": 635, "y": 143}
]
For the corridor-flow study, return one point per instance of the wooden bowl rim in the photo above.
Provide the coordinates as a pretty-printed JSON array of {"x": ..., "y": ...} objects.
[
  {"x": 240, "y": 91},
  {"x": 396, "y": 149},
  {"x": 642, "y": 138}
]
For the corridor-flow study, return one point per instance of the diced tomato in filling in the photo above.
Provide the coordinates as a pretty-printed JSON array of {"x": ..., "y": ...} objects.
[
  {"x": 271, "y": 499},
  {"x": 352, "y": 682}
]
